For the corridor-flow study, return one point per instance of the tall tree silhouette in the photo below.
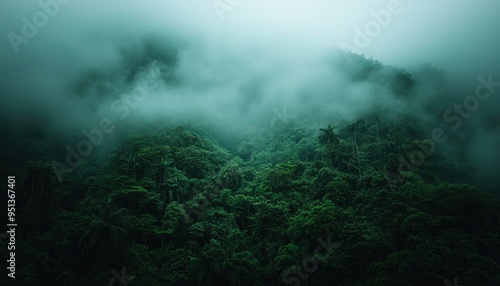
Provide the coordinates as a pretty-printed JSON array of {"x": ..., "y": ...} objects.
[
  {"x": 327, "y": 137},
  {"x": 107, "y": 231},
  {"x": 38, "y": 180}
]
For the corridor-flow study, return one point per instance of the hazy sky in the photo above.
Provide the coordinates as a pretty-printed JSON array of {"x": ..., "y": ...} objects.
[{"x": 63, "y": 64}]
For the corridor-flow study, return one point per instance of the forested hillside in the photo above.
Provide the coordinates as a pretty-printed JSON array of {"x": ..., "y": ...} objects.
[
  {"x": 295, "y": 205},
  {"x": 250, "y": 143}
]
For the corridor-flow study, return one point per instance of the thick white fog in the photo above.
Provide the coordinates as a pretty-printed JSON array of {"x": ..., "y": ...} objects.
[{"x": 66, "y": 65}]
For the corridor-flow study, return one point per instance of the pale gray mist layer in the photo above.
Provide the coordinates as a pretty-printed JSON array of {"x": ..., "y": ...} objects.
[{"x": 236, "y": 61}]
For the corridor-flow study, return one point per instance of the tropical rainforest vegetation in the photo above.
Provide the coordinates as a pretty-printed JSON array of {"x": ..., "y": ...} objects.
[{"x": 186, "y": 205}]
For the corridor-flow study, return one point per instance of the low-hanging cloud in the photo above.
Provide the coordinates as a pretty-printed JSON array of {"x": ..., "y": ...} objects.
[{"x": 234, "y": 61}]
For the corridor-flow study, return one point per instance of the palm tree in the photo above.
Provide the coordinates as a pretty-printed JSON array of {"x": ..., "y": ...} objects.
[
  {"x": 327, "y": 138},
  {"x": 38, "y": 180},
  {"x": 106, "y": 232},
  {"x": 240, "y": 268},
  {"x": 216, "y": 265},
  {"x": 356, "y": 130},
  {"x": 208, "y": 264}
]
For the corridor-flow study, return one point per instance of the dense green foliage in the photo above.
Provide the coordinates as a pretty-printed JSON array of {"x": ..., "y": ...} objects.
[
  {"x": 305, "y": 207},
  {"x": 179, "y": 205}
]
